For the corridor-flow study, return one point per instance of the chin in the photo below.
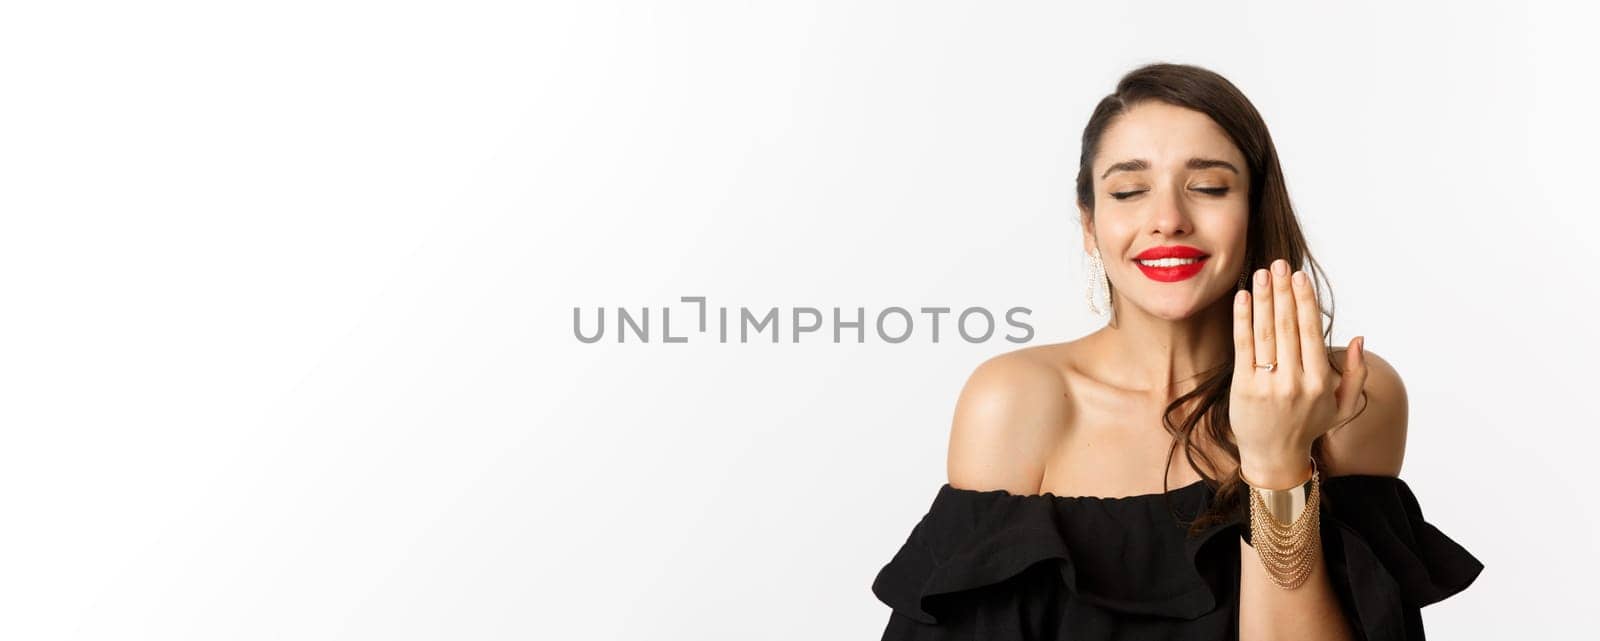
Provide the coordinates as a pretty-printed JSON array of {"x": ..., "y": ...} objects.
[
  {"x": 1181, "y": 309},
  {"x": 1172, "y": 312}
]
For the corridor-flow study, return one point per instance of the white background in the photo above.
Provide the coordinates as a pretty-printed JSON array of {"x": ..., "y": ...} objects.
[{"x": 288, "y": 289}]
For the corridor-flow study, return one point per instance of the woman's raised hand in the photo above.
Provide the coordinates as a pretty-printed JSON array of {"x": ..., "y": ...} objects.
[{"x": 1277, "y": 413}]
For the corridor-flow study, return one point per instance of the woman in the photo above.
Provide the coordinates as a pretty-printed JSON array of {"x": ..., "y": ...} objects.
[{"x": 1059, "y": 520}]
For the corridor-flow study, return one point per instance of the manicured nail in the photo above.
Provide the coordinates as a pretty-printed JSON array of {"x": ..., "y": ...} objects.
[
  {"x": 1280, "y": 267},
  {"x": 1261, "y": 278}
]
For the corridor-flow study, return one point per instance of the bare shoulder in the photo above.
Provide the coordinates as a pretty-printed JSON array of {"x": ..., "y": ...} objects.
[
  {"x": 1375, "y": 441},
  {"x": 1007, "y": 418}
]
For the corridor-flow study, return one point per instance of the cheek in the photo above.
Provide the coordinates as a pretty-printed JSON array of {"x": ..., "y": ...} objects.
[
  {"x": 1231, "y": 230},
  {"x": 1116, "y": 228}
]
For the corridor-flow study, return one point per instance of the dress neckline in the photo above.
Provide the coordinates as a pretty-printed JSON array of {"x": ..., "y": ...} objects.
[{"x": 1051, "y": 496}]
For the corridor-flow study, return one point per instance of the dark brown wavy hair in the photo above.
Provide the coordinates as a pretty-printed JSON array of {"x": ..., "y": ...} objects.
[{"x": 1273, "y": 232}]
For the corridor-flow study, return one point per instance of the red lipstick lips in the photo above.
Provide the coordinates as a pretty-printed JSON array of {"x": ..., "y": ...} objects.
[{"x": 1173, "y": 273}]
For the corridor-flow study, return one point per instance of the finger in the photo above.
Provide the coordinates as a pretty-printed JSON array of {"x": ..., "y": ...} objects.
[
  {"x": 1261, "y": 320},
  {"x": 1284, "y": 319},
  {"x": 1244, "y": 348},
  {"x": 1353, "y": 378},
  {"x": 1313, "y": 356}
]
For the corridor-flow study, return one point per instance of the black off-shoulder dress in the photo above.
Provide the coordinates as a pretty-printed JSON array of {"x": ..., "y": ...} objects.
[{"x": 998, "y": 566}]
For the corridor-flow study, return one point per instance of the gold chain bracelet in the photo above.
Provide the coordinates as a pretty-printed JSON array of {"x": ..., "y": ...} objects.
[{"x": 1285, "y": 528}]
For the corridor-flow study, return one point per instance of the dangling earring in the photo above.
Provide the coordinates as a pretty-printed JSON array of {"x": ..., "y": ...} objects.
[{"x": 1099, "y": 285}]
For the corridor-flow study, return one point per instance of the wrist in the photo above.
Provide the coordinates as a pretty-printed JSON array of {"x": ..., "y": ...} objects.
[{"x": 1276, "y": 472}]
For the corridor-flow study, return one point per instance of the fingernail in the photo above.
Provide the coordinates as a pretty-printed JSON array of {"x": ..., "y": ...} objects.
[
  {"x": 1361, "y": 347},
  {"x": 1300, "y": 277},
  {"x": 1280, "y": 267},
  {"x": 1261, "y": 278}
]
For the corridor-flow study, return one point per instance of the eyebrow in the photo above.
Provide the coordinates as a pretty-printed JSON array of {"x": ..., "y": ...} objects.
[{"x": 1140, "y": 164}]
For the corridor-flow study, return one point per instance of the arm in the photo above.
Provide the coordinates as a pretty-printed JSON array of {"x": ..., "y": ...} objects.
[
  {"x": 1006, "y": 421},
  {"x": 1372, "y": 443}
]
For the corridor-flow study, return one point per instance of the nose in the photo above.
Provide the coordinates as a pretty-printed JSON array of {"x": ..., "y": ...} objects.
[{"x": 1170, "y": 217}]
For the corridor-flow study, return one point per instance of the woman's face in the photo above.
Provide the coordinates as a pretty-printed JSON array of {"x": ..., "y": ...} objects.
[{"x": 1168, "y": 176}]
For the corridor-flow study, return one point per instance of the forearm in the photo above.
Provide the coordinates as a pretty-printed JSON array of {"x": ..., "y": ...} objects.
[{"x": 1267, "y": 611}]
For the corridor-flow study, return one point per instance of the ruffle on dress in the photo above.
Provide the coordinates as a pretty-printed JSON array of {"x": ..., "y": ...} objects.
[
  {"x": 1046, "y": 566},
  {"x": 1384, "y": 558}
]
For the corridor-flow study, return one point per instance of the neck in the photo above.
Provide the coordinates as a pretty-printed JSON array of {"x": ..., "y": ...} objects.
[{"x": 1164, "y": 357}]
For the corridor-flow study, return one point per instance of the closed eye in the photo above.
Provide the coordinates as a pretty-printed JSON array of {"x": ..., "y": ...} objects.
[{"x": 1124, "y": 195}]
